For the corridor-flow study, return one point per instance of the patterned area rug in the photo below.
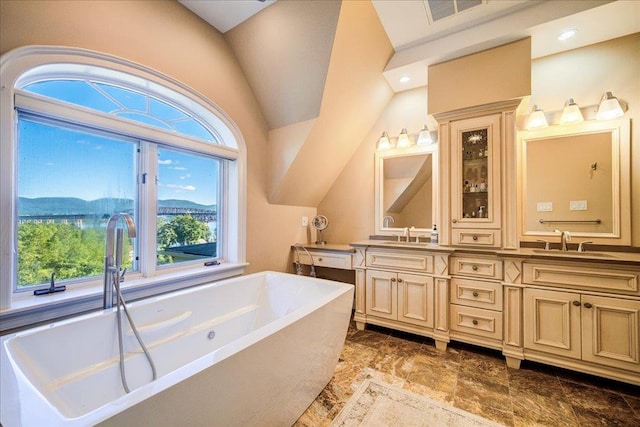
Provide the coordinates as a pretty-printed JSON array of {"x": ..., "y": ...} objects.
[{"x": 378, "y": 404}]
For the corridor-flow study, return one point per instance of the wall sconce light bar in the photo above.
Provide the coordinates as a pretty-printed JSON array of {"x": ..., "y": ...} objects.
[
  {"x": 571, "y": 113},
  {"x": 537, "y": 119},
  {"x": 384, "y": 143},
  {"x": 424, "y": 137},
  {"x": 609, "y": 107},
  {"x": 403, "y": 139}
]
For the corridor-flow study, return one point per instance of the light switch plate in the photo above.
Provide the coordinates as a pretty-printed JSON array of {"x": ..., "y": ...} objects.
[
  {"x": 578, "y": 205},
  {"x": 544, "y": 206}
]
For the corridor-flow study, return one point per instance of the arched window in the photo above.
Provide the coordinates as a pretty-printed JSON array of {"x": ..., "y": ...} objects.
[{"x": 85, "y": 136}]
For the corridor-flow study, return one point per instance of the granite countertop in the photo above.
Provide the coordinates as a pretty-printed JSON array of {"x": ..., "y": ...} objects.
[
  {"x": 609, "y": 257},
  {"x": 329, "y": 247}
]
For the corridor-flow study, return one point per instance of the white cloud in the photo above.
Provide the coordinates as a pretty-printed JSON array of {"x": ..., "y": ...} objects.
[
  {"x": 165, "y": 162},
  {"x": 179, "y": 168},
  {"x": 181, "y": 187}
]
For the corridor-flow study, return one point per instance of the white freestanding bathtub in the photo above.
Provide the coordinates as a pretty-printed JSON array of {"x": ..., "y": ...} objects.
[{"x": 248, "y": 351}]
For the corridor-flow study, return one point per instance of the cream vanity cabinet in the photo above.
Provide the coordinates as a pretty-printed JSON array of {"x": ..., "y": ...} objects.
[
  {"x": 400, "y": 296},
  {"x": 403, "y": 289},
  {"x": 475, "y": 309},
  {"x": 478, "y": 176},
  {"x": 583, "y": 316}
]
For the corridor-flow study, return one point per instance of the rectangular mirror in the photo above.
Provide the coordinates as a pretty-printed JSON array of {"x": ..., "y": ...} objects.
[
  {"x": 576, "y": 178},
  {"x": 405, "y": 190}
]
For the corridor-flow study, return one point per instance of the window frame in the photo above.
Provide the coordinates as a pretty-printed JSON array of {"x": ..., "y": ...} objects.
[{"x": 33, "y": 63}]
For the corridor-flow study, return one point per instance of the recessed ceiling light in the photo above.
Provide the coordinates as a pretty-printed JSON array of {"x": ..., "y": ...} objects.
[
  {"x": 567, "y": 34},
  {"x": 404, "y": 79}
]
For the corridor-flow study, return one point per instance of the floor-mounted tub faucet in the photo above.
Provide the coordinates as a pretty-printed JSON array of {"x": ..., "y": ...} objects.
[{"x": 113, "y": 260}]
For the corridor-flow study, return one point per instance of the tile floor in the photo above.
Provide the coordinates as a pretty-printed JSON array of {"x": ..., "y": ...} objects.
[{"x": 476, "y": 380}]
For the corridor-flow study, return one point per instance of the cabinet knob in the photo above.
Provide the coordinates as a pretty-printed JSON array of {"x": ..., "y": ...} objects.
[
  {"x": 475, "y": 322},
  {"x": 474, "y": 268},
  {"x": 475, "y": 293},
  {"x": 475, "y": 237},
  {"x": 399, "y": 280},
  {"x": 393, "y": 279},
  {"x": 454, "y": 220},
  {"x": 576, "y": 303},
  {"x": 319, "y": 259},
  {"x": 587, "y": 305}
]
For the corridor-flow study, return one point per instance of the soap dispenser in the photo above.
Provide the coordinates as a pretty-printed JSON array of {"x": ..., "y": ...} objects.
[{"x": 434, "y": 235}]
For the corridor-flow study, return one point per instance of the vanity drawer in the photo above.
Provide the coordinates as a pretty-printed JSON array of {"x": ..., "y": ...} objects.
[
  {"x": 583, "y": 276},
  {"x": 476, "y": 321},
  {"x": 476, "y": 293},
  {"x": 477, "y": 267},
  {"x": 483, "y": 238},
  {"x": 327, "y": 259},
  {"x": 400, "y": 260}
]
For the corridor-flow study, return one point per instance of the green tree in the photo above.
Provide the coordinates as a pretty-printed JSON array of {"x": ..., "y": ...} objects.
[
  {"x": 69, "y": 251},
  {"x": 182, "y": 230}
]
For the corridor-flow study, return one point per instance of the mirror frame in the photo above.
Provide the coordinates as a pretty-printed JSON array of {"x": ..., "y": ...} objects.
[
  {"x": 414, "y": 150},
  {"x": 619, "y": 129}
]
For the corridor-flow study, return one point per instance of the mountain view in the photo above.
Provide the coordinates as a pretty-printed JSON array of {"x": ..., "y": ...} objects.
[{"x": 74, "y": 206}]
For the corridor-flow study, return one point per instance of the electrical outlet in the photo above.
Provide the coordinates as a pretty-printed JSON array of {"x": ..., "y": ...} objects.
[
  {"x": 578, "y": 205},
  {"x": 305, "y": 221},
  {"x": 544, "y": 206}
]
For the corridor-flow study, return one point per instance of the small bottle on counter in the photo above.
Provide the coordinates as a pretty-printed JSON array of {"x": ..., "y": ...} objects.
[{"x": 434, "y": 234}]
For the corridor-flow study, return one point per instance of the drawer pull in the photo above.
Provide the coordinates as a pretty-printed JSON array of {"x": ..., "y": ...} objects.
[
  {"x": 474, "y": 268},
  {"x": 454, "y": 220},
  {"x": 399, "y": 280},
  {"x": 475, "y": 322},
  {"x": 320, "y": 259},
  {"x": 587, "y": 305},
  {"x": 576, "y": 303},
  {"x": 475, "y": 237},
  {"x": 475, "y": 293}
]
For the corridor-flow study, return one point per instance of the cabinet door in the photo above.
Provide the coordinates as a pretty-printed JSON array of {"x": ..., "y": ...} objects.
[
  {"x": 475, "y": 173},
  {"x": 382, "y": 294},
  {"x": 611, "y": 332},
  {"x": 552, "y": 322},
  {"x": 415, "y": 299}
]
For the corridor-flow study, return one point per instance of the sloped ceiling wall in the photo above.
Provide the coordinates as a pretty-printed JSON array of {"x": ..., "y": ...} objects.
[{"x": 313, "y": 133}]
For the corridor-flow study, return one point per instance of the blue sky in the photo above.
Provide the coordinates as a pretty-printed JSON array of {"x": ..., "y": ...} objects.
[{"x": 56, "y": 162}]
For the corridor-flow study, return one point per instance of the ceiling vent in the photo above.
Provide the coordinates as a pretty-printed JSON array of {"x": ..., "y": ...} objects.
[{"x": 440, "y": 9}]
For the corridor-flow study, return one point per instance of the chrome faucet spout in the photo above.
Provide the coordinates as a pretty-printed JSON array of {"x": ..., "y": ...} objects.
[
  {"x": 565, "y": 237},
  {"x": 113, "y": 254}
]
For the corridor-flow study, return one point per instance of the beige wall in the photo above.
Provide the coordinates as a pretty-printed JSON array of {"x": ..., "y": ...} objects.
[
  {"x": 584, "y": 74},
  {"x": 489, "y": 76},
  {"x": 167, "y": 37},
  {"x": 349, "y": 203}
]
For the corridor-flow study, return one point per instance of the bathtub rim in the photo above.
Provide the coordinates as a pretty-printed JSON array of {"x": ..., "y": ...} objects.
[{"x": 183, "y": 372}]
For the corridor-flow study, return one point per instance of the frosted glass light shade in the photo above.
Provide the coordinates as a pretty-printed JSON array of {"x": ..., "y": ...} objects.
[
  {"x": 383, "y": 142},
  {"x": 609, "y": 108},
  {"x": 571, "y": 113},
  {"x": 424, "y": 137},
  {"x": 403, "y": 139},
  {"x": 537, "y": 119}
]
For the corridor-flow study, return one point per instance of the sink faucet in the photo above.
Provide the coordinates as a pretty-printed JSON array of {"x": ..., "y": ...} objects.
[
  {"x": 407, "y": 233},
  {"x": 565, "y": 237},
  {"x": 113, "y": 262},
  {"x": 388, "y": 219}
]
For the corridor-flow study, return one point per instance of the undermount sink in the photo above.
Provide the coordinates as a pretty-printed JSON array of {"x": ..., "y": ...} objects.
[{"x": 556, "y": 252}]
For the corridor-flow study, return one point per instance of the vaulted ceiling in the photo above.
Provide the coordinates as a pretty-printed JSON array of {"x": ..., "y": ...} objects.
[{"x": 322, "y": 70}]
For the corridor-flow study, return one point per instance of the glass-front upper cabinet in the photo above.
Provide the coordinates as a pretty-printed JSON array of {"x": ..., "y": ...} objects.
[{"x": 475, "y": 179}]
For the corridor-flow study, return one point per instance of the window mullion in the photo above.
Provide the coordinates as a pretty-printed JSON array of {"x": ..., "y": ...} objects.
[{"x": 148, "y": 206}]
